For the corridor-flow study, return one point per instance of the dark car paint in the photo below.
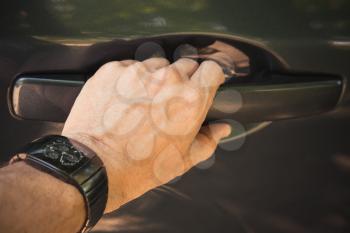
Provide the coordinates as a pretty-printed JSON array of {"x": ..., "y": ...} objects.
[{"x": 292, "y": 176}]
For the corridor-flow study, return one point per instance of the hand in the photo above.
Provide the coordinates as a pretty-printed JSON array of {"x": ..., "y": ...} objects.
[{"x": 144, "y": 121}]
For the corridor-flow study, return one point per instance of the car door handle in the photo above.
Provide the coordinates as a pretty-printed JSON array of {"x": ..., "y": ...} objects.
[
  {"x": 279, "y": 96},
  {"x": 267, "y": 96}
]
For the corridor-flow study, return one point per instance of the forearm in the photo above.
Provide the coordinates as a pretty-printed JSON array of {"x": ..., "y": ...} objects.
[{"x": 34, "y": 201}]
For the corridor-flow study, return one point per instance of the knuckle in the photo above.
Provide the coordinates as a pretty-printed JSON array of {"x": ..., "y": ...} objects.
[
  {"x": 110, "y": 65},
  {"x": 90, "y": 82},
  {"x": 138, "y": 66},
  {"x": 127, "y": 62},
  {"x": 172, "y": 72},
  {"x": 162, "y": 59},
  {"x": 185, "y": 65},
  {"x": 189, "y": 61},
  {"x": 110, "y": 68},
  {"x": 159, "y": 60},
  {"x": 209, "y": 64}
]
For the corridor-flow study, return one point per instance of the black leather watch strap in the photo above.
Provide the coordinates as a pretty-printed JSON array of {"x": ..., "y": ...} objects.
[{"x": 73, "y": 163}]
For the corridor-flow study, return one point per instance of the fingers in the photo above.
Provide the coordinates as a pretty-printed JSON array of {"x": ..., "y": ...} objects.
[
  {"x": 208, "y": 75},
  {"x": 131, "y": 83},
  {"x": 182, "y": 69},
  {"x": 153, "y": 64},
  {"x": 172, "y": 75},
  {"x": 186, "y": 67},
  {"x": 138, "y": 74},
  {"x": 206, "y": 142},
  {"x": 156, "y": 73}
]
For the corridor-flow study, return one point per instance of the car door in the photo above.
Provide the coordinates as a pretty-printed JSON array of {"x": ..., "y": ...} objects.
[{"x": 286, "y": 169}]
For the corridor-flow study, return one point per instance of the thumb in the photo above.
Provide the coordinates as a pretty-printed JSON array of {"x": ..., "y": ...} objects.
[{"x": 206, "y": 142}]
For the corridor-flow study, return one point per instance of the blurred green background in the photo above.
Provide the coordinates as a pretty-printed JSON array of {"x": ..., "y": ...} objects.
[{"x": 103, "y": 19}]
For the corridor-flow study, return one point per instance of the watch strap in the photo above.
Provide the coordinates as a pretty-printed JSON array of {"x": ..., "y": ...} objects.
[{"x": 88, "y": 175}]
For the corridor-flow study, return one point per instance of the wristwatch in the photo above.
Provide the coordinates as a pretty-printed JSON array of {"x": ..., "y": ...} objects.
[{"x": 75, "y": 164}]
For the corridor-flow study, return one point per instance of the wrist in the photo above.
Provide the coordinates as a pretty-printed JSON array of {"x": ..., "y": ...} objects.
[
  {"x": 116, "y": 194},
  {"x": 93, "y": 143}
]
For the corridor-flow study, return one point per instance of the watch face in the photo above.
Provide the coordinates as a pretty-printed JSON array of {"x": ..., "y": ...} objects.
[{"x": 59, "y": 149}]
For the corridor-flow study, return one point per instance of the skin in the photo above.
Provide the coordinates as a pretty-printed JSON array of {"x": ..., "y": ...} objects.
[
  {"x": 33, "y": 201},
  {"x": 143, "y": 119}
]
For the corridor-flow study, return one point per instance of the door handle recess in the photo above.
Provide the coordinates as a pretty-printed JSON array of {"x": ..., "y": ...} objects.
[{"x": 269, "y": 96}]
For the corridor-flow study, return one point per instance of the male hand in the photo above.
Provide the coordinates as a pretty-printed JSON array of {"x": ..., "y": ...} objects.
[{"x": 144, "y": 120}]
